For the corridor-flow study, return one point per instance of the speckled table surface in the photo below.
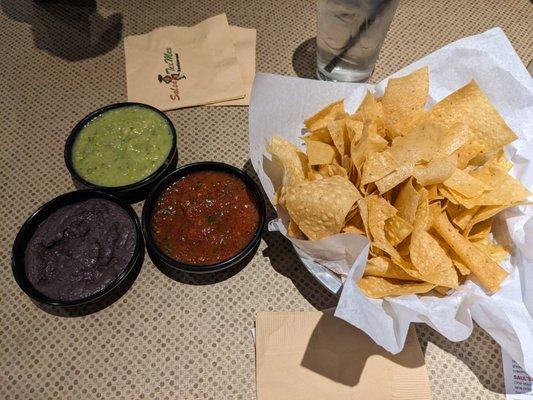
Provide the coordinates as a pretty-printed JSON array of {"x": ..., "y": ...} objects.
[{"x": 183, "y": 338}]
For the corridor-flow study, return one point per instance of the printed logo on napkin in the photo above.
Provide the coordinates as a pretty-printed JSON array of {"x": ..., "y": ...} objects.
[
  {"x": 172, "y": 73},
  {"x": 174, "y": 67}
]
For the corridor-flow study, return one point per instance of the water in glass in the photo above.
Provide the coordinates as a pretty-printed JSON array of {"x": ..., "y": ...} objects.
[{"x": 349, "y": 36}]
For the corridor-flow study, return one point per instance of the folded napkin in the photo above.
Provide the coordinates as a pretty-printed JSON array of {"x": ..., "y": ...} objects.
[
  {"x": 174, "y": 67},
  {"x": 244, "y": 40},
  {"x": 313, "y": 355}
]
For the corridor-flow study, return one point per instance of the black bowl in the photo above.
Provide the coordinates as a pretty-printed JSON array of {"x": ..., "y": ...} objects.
[
  {"x": 96, "y": 301},
  {"x": 159, "y": 258},
  {"x": 133, "y": 192}
]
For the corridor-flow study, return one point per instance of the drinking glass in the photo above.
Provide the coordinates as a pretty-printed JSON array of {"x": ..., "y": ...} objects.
[{"x": 350, "y": 34}]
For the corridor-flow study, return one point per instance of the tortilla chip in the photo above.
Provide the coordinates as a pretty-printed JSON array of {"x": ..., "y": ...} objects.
[
  {"x": 499, "y": 160},
  {"x": 379, "y": 210},
  {"x": 504, "y": 189},
  {"x": 370, "y": 143},
  {"x": 354, "y": 211},
  {"x": 407, "y": 201},
  {"x": 405, "y": 96},
  {"x": 426, "y": 254},
  {"x": 488, "y": 272},
  {"x": 406, "y": 125},
  {"x": 495, "y": 251},
  {"x": 303, "y": 160},
  {"x": 354, "y": 221},
  {"x": 466, "y": 153},
  {"x": 444, "y": 192},
  {"x": 397, "y": 259},
  {"x": 385, "y": 268},
  {"x": 320, "y": 135},
  {"x": 332, "y": 170},
  {"x": 369, "y": 189},
  {"x": 369, "y": 109},
  {"x": 294, "y": 231},
  {"x": 312, "y": 173},
  {"x": 347, "y": 164},
  {"x": 289, "y": 157},
  {"x": 336, "y": 130},
  {"x": 480, "y": 231},
  {"x": 403, "y": 248},
  {"x": 420, "y": 145},
  {"x": 443, "y": 291},
  {"x": 393, "y": 179},
  {"x": 459, "y": 265},
  {"x": 465, "y": 184},
  {"x": 482, "y": 214},
  {"x": 376, "y": 166},
  {"x": 433, "y": 193},
  {"x": 319, "y": 153},
  {"x": 431, "y": 260},
  {"x": 353, "y": 229},
  {"x": 397, "y": 229},
  {"x": 348, "y": 135},
  {"x": 453, "y": 210},
  {"x": 422, "y": 220},
  {"x": 434, "y": 209},
  {"x": 470, "y": 106},
  {"x": 355, "y": 131},
  {"x": 377, "y": 287},
  {"x": 321, "y": 118},
  {"x": 455, "y": 137},
  {"x": 436, "y": 171},
  {"x": 320, "y": 207},
  {"x": 363, "y": 211},
  {"x": 462, "y": 219}
]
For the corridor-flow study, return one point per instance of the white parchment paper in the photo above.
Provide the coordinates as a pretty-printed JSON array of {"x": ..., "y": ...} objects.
[{"x": 280, "y": 104}]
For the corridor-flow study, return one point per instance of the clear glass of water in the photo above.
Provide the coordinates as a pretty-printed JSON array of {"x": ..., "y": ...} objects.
[{"x": 350, "y": 34}]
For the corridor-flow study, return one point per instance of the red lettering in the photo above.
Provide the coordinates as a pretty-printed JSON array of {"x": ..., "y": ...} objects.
[
  {"x": 522, "y": 378},
  {"x": 175, "y": 95}
]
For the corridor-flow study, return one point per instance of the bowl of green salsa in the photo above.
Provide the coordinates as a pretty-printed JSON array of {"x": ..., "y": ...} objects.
[{"x": 123, "y": 148}]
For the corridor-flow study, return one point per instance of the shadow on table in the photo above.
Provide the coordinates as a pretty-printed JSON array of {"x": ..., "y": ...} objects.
[
  {"x": 285, "y": 261},
  {"x": 304, "y": 59},
  {"x": 472, "y": 352},
  {"x": 335, "y": 352},
  {"x": 70, "y": 29},
  {"x": 200, "y": 279}
]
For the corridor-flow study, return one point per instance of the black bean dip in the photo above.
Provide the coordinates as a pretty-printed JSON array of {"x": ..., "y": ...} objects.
[{"x": 80, "y": 249}]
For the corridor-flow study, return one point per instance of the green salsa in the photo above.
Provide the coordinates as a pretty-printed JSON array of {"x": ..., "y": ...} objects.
[{"x": 121, "y": 146}]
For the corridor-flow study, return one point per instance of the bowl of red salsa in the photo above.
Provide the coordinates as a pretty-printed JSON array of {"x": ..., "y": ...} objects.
[{"x": 203, "y": 217}]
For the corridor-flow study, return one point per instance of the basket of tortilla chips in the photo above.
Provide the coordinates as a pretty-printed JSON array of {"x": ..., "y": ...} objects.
[
  {"x": 414, "y": 207},
  {"x": 424, "y": 186}
]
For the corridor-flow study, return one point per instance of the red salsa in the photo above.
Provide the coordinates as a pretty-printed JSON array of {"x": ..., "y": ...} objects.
[{"x": 204, "y": 218}]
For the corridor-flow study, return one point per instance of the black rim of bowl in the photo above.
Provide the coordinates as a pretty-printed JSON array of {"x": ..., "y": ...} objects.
[
  {"x": 124, "y": 188},
  {"x": 173, "y": 177},
  {"x": 27, "y": 231}
]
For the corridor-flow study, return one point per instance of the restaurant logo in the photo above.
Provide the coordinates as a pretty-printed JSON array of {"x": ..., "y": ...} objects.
[{"x": 172, "y": 73}]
